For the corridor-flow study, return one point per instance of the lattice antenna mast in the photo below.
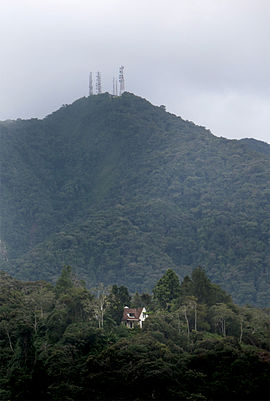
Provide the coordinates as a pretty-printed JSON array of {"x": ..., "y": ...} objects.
[
  {"x": 114, "y": 87},
  {"x": 91, "y": 90},
  {"x": 98, "y": 83},
  {"x": 121, "y": 80}
]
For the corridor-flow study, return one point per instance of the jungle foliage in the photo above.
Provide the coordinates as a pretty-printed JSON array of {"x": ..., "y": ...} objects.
[
  {"x": 122, "y": 190},
  {"x": 65, "y": 343}
]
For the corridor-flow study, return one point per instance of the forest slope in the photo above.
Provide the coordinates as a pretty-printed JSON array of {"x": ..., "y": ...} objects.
[
  {"x": 58, "y": 344},
  {"x": 122, "y": 190}
]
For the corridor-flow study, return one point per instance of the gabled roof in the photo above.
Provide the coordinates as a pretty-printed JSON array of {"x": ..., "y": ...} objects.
[{"x": 132, "y": 313}]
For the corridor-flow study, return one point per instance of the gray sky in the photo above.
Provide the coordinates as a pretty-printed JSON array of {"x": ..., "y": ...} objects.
[{"x": 207, "y": 60}]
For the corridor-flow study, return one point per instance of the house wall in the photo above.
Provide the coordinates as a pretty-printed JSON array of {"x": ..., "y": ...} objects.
[
  {"x": 143, "y": 316},
  {"x": 132, "y": 323}
]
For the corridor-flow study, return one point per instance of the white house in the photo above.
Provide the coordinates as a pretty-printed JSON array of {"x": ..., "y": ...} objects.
[{"x": 134, "y": 316}]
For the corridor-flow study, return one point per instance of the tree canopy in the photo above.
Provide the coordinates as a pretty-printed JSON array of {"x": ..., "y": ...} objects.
[
  {"x": 167, "y": 289},
  {"x": 122, "y": 191},
  {"x": 54, "y": 344}
]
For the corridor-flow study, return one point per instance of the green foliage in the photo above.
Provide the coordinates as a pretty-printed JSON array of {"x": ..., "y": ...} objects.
[
  {"x": 167, "y": 289},
  {"x": 52, "y": 346},
  {"x": 201, "y": 287},
  {"x": 117, "y": 300},
  {"x": 143, "y": 300},
  {"x": 64, "y": 282},
  {"x": 122, "y": 191}
]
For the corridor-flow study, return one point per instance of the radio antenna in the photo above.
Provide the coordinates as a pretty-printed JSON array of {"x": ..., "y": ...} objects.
[
  {"x": 98, "y": 83},
  {"x": 91, "y": 91},
  {"x": 121, "y": 80}
]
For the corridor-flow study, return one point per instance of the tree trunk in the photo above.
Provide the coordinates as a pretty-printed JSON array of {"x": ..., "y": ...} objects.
[
  {"x": 188, "y": 330},
  {"x": 195, "y": 316},
  {"x": 223, "y": 325},
  {"x": 241, "y": 331},
  {"x": 9, "y": 339},
  {"x": 102, "y": 313},
  {"x": 179, "y": 326},
  {"x": 35, "y": 322}
]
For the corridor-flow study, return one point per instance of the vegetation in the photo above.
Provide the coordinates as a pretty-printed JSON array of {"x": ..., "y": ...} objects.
[
  {"x": 123, "y": 190},
  {"x": 56, "y": 345}
]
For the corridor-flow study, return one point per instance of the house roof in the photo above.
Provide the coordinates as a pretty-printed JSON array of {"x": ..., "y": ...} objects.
[{"x": 132, "y": 313}]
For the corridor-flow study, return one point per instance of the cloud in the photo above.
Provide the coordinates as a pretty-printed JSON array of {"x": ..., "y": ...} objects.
[{"x": 194, "y": 56}]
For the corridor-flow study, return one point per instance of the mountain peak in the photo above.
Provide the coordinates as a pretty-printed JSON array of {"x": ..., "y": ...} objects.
[{"x": 123, "y": 190}]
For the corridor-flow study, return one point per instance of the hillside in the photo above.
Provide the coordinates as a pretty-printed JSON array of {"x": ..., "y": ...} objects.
[
  {"x": 258, "y": 146},
  {"x": 121, "y": 190},
  {"x": 58, "y": 344}
]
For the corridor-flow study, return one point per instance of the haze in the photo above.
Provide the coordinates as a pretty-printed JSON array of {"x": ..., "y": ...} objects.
[{"x": 206, "y": 60}]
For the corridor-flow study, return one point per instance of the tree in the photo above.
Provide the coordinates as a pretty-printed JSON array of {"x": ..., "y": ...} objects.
[
  {"x": 201, "y": 286},
  {"x": 78, "y": 303},
  {"x": 222, "y": 315},
  {"x": 167, "y": 289},
  {"x": 38, "y": 302},
  {"x": 254, "y": 326},
  {"x": 140, "y": 300},
  {"x": 117, "y": 300},
  {"x": 100, "y": 303},
  {"x": 64, "y": 281},
  {"x": 206, "y": 292},
  {"x": 146, "y": 300},
  {"x": 136, "y": 301},
  {"x": 186, "y": 287}
]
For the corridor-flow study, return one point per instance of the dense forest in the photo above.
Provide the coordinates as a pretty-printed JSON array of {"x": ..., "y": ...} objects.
[
  {"x": 122, "y": 190},
  {"x": 63, "y": 342}
]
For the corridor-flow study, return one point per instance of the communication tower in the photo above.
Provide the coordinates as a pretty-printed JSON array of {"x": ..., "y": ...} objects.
[
  {"x": 91, "y": 91},
  {"x": 115, "y": 88},
  {"x": 98, "y": 83},
  {"x": 121, "y": 80}
]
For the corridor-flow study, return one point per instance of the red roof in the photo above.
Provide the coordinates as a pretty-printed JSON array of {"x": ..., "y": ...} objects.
[{"x": 132, "y": 313}]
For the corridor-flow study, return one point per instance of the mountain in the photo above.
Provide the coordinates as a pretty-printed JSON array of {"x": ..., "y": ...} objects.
[
  {"x": 121, "y": 190},
  {"x": 258, "y": 146}
]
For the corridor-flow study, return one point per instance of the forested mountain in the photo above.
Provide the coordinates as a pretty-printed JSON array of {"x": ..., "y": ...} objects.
[
  {"x": 258, "y": 146},
  {"x": 121, "y": 190}
]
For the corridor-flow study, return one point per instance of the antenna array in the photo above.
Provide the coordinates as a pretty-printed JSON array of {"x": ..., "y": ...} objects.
[
  {"x": 91, "y": 91},
  {"x": 121, "y": 80},
  {"x": 98, "y": 83},
  {"x": 115, "y": 83},
  {"x": 115, "y": 88}
]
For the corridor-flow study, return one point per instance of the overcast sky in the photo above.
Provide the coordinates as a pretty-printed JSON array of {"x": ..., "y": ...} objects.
[{"x": 207, "y": 60}]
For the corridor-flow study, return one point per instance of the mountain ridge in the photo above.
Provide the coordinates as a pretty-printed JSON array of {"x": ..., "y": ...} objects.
[{"x": 122, "y": 190}]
